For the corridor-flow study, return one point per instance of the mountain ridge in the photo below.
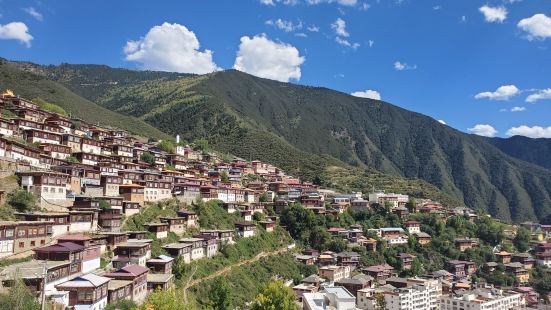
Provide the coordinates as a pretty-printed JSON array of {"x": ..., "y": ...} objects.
[{"x": 305, "y": 129}]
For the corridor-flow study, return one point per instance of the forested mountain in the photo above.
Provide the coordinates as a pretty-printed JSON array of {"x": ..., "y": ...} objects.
[
  {"x": 536, "y": 151},
  {"x": 306, "y": 130}
]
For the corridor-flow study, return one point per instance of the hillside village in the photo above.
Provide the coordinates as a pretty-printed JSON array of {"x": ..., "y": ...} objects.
[{"x": 71, "y": 189}]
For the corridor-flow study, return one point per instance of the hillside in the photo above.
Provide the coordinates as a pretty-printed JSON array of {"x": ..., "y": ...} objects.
[
  {"x": 306, "y": 130},
  {"x": 31, "y": 85},
  {"x": 536, "y": 151}
]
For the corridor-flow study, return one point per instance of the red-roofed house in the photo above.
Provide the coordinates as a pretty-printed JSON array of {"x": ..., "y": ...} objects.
[{"x": 138, "y": 275}]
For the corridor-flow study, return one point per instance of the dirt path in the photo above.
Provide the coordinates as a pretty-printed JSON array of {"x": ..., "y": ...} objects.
[{"x": 227, "y": 269}]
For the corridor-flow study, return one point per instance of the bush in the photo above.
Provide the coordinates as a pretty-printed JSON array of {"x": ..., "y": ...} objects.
[
  {"x": 148, "y": 158},
  {"x": 167, "y": 146},
  {"x": 21, "y": 200}
]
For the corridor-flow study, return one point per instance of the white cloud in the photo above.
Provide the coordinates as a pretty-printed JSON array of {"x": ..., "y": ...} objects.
[
  {"x": 493, "y": 14},
  {"x": 301, "y": 34},
  {"x": 436, "y": 7},
  {"x": 34, "y": 13},
  {"x": 536, "y": 27},
  {"x": 401, "y": 66},
  {"x": 544, "y": 94},
  {"x": 268, "y": 59},
  {"x": 531, "y": 132},
  {"x": 463, "y": 19},
  {"x": 483, "y": 130},
  {"x": 273, "y": 2},
  {"x": 371, "y": 94},
  {"x": 341, "y": 2},
  {"x": 313, "y": 28},
  {"x": 347, "y": 43},
  {"x": 16, "y": 31},
  {"x": 347, "y": 2},
  {"x": 504, "y": 92},
  {"x": 518, "y": 109},
  {"x": 285, "y": 25},
  {"x": 371, "y": 43},
  {"x": 340, "y": 28},
  {"x": 170, "y": 47},
  {"x": 365, "y": 6},
  {"x": 442, "y": 122}
]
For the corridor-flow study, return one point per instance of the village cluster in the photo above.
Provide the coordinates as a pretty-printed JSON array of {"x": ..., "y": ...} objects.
[
  {"x": 343, "y": 283},
  {"x": 87, "y": 179}
]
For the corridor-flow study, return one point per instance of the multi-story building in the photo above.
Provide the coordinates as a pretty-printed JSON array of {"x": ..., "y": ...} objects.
[
  {"x": 176, "y": 225},
  {"x": 482, "y": 299},
  {"x": 334, "y": 273},
  {"x": 137, "y": 275},
  {"x": 86, "y": 292},
  {"x": 47, "y": 187},
  {"x": 329, "y": 298},
  {"x": 136, "y": 252}
]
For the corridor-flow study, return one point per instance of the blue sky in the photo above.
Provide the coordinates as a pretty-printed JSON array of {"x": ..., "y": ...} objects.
[{"x": 466, "y": 62}]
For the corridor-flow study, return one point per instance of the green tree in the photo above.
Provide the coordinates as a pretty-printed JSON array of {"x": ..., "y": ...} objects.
[
  {"x": 522, "y": 240},
  {"x": 220, "y": 294},
  {"x": 21, "y": 200},
  {"x": 298, "y": 221},
  {"x": 263, "y": 197},
  {"x": 6, "y": 213},
  {"x": 18, "y": 297},
  {"x": 411, "y": 205},
  {"x": 71, "y": 160},
  {"x": 170, "y": 299},
  {"x": 224, "y": 177},
  {"x": 275, "y": 296},
  {"x": 337, "y": 245},
  {"x": 167, "y": 146},
  {"x": 103, "y": 204},
  {"x": 380, "y": 301},
  {"x": 320, "y": 238},
  {"x": 259, "y": 216},
  {"x": 122, "y": 305},
  {"x": 148, "y": 158},
  {"x": 201, "y": 145},
  {"x": 541, "y": 280}
]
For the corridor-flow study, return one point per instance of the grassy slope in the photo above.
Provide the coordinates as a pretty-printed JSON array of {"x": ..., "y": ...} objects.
[{"x": 30, "y": 85}]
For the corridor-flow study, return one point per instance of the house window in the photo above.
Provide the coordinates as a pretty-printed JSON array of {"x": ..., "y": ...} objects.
[
  {"x": 9, "y": 233},
  {"x": 21, "y": 244}
]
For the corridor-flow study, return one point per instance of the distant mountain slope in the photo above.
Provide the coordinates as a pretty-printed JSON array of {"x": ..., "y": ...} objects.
[
  {"x": 306, "y": 130},
  {"x": 31, "y": 85},
  {"x": 536, "y": 151}
]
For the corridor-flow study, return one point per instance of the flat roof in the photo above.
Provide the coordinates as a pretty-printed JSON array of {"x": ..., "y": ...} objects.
[{"x": 159, "y": 277}]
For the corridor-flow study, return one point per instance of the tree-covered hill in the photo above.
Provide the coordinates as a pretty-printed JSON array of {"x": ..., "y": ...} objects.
[
  {"x": 536, "y": 151},
  {"x": 305, "y": 130}
]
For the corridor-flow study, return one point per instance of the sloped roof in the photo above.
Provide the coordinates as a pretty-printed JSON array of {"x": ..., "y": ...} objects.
[
  {"x": 87, "y": 280},
  {"x": 61, "y": 247}
]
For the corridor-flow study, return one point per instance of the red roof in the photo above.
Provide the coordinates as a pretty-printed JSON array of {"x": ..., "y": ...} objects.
[
  {"x": 61, "y": 247},
  {"x": 135, "y": 270}
]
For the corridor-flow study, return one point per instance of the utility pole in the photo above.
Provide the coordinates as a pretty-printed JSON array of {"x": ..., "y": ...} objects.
[{"x": 43, "y": 295}]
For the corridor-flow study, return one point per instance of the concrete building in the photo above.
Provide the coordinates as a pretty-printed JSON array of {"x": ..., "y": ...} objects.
[
  {"x": 337, "y": 298},
  {"x": 482, "y": 298}
]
